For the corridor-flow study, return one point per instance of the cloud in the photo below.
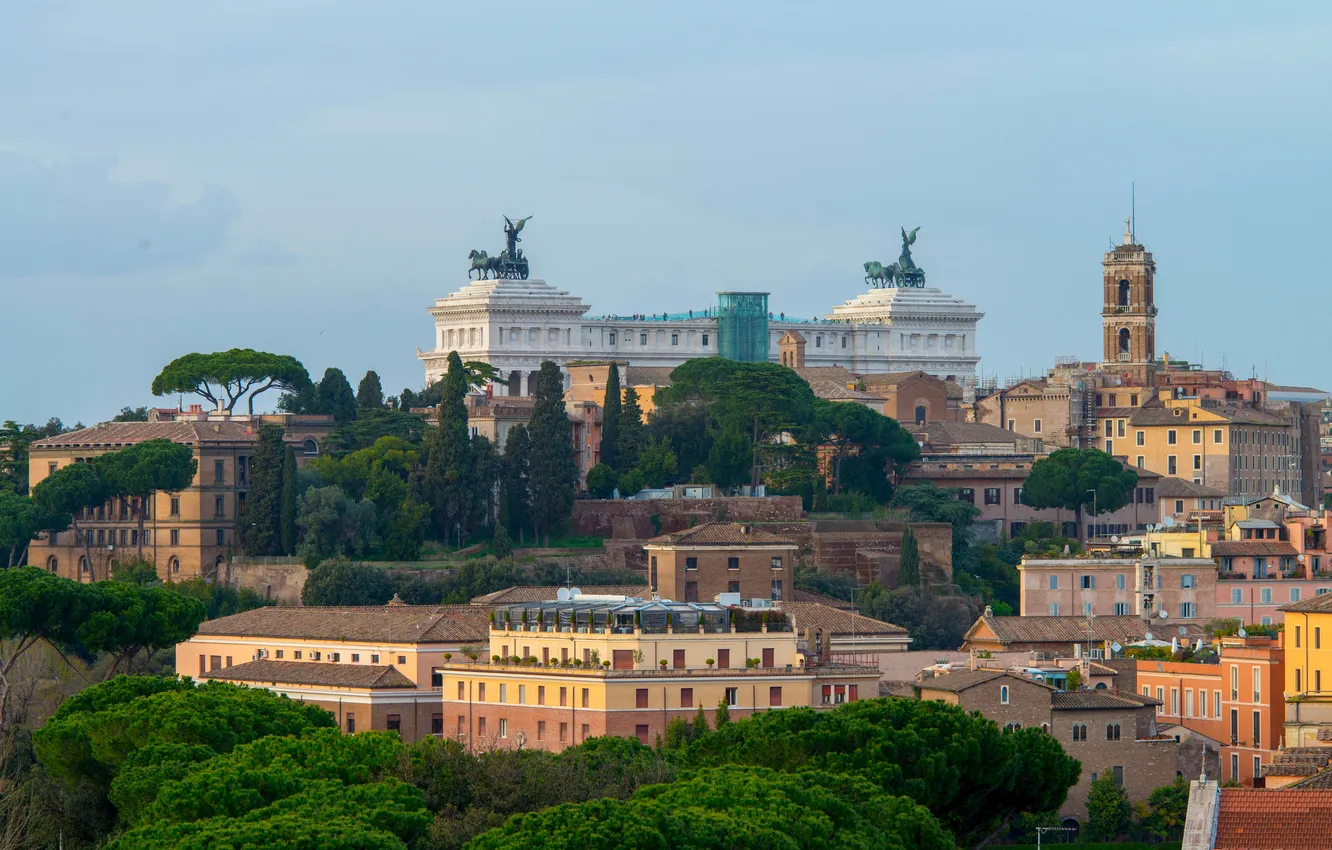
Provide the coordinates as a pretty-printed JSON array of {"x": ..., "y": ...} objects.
[
  {"x": 73, "y": 218},
  {"x": 266, "y": 253}
]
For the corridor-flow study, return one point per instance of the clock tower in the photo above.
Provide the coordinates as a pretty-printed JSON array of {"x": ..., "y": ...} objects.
[{"x": 1128, "y": 318}]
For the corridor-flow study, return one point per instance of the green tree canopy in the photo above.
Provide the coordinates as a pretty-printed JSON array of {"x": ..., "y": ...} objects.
[
  {"x": 960, "y": 766},
  {"x": 261, "y": 532},
  {"x": 515, "y": 483},
  {"x": 332, "y": 524},
  {"x": 225, "y": 377},
  {"x": 351, "y": 472},
  {"x": 16, "y": 439},
  {"x": 553, "y": 474},
  {"x": 131, "y": 414},
  {"x": 21, "y": 520},
  {"x": 447, "y": 461},
  {"x": 371, "y": 424},
  {"x": 340, "y": 582},
  {"x": 908, "y": 572},
  {"x": 69, "y": 490},
  {"x": 732, "y": 807},
  {"x": 334, "y": 396},
  {"x": 1077, "y": 480},
  {"x": 1109, "y": 814},
  {"x": 288, "y": 506},
  {"x": 657, "y": 463},
  {"x": 730, "y": 457},
  {"x": 610, "y": 418},
  {"x": 629, "y": 440},
  {"x": 601, "y": 481},
  {"x": 369, "y": 394}
]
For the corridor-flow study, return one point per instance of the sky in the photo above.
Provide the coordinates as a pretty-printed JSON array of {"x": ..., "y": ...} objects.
[{"x": 307, "y": 177}]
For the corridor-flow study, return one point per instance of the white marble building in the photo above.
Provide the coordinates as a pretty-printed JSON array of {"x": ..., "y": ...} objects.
[{"x": 516, "y": 324}]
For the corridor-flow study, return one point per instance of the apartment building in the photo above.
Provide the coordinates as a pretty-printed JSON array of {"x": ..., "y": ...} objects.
[
  {"x": 566, "y": 670},
  {"x": 1065, "y": 636},
  {"x": 1308, "y": 641},
  {"x": 372, "y": 668},
  {"x": 1274, "y": 552},
  {"x": 701, "y": 562},
  {"x": 187, "y": 534},
  {"x": 1165, "y": 589},
  {"x": 1235, "y": 699}
]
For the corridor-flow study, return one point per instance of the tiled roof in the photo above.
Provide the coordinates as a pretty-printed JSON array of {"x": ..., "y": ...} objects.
[
  {"x": 116, "y": 434},
  {"x": 1123, "y": 629},
  {"x": 897, "y": 689},
  {"x": 524, "y": 593},
  {"x": 958, "y": 682},
  {"x": 1257, "y": 523},
  {"x": 1270, "y": 548},
  {"x": 1101, "y": 670},
  {"x": 836, "y": 374},
  {"x": 1320, "y": 603},
  {"x": 835, "y": 621},
  {"x": 1321, "y": 779},
  {"x": 314, "y": 673},
  {"x": 720, "y": 534},
  {"x": 647, "y": 376},
  {"x": 833, "y": 391},
  {"x": 387, "y": 624},
  {"x": 916, "y": 471},
  {"x": 948, "y": 433},
  {"x": 1182, "y": 488},
  {"x": 1092, "y": 700},
  {"x": 1274, "y": 819}
]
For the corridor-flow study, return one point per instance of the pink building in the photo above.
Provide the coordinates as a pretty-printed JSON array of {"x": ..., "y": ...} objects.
[
  {"x": 1166, "y": 589},
  {"x": 1275, "y": 552}
]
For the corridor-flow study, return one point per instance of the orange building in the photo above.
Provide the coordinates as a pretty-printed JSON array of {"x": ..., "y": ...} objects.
[{"x": 1237, "y": 701}]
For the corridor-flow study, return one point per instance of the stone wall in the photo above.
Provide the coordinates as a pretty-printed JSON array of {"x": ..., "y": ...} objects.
[
  {"x": 281, "y": 583},
  {"x": 645, "y": 518}
]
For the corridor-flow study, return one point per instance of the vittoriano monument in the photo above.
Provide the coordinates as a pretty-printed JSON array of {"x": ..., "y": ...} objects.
[
  {"x": 903, "y": 273},
  {"x": 510, "y": 263}
]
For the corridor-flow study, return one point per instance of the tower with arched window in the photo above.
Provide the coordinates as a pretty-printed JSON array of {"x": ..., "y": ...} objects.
[{"x": 1128, "y": 318}]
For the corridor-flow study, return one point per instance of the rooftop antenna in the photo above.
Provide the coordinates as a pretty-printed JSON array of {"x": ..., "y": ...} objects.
[{"x": 1133, "y": 210}]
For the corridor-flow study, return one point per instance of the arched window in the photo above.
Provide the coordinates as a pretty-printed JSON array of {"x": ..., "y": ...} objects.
[
  {"x": 1100, "y": 686},
  {"x": 1112, "y": 731},
  {"x": 1124, "y": 338},
  {"x": 1079, "y": 731},
  {"x": 52, "y": 563},
  {"x": 174, "y": 565},
  {"x": 921, "y": 414},
  {"x": 310, "y": 448},
  {"x": 1003, "y": 695},
  {"x": 1123, "y": 293}
]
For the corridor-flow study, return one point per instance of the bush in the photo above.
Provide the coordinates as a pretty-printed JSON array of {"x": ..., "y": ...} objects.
[
  {"x": 340, "y": 582},
  {"x": 601, "y": 481}
]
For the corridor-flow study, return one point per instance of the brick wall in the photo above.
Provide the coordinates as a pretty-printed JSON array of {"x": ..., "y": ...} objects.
[
  {"x": 1147, "y": 764},
  {"x": 633, "y": 518},
  {"x": 1028, "y": 702}
]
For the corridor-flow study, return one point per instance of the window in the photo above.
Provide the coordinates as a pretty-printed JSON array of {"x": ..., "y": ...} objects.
[
  {"x": 1079, "y": 731},
  {"x": 991, "y": 495},
  {"x": 175, "y": 537},
  {"x": 1197, "y": 436},
  {"x": 1236, "y": 596},
  {"x": 219, "y": 506},
  {"x": 1172, "y": 466},
  {"x": 394, "y": 723},
  {"x": 334, "y": 656},
  {"x": 1265, "y": 595},
  {"x": 402, "y": 659},
  {"x": 966, "y": 494},
  {"x": 1122, "y": 609},
  {"x": 775, "y": 695},
  {"x": 522, "y": 694},
  {"x": 1234, "y": 766},
  {"x": 1202, "y": 703},
  {"x": 1054, "y": 609},
  {"x": 374, "y": 659},
  {"x": 1088, "y": 582},
  {"x": 564, "y": 696},
  {"x": 1109, "y": 446},
  {"x": 175, "y": 506},
  {"x": 585, "y": 731},
  {"x": 1257, "y": 686},
  {"x": 1141, "y": 437},
  {"x": 1234, "y": 683},
  {"x": 732, "y": 587},
  {"x": 705, "y": 341},
  {"x": 1188, "y": 702},
  {"x": 1186, "y": 581},
  {"x": 1012, "y": 424},
  {"x": 297, "y": 655},
  {"x": 221, "y": 537},
  {"x": 732, "y": 697},
  {"x": 541, "y": 730},
  {"x": 584, "y": 697},
  {"x": 1174, "y": 701},
  {"x": 1017, "y": 495},
  {"x": 219, "y": 471},
  {"x": 1216, "y": 705},
  {"x": 777, "y": 563},
  {"x": 1112, "y": 731},
  {"x": 1188, "y": 610},
  {"x": 732, "y": 563},
  {"x": 1179, "y": 506},
  {"x": 351, "y": 724},
  {"x": 1054, "y": 582},
  {"x": 1170, "y": 437},
  {"x": 481, "y": 726},
  {"x": 1119, "y": 581},
  {"x": 1087, "y": 609},
  {"x": 675, "y": 339},
  {"x": 1118, "y": 771},
  {"x": 777, "y": 590},
  {"x": 691, "y": 563},
  {"x": 642, "y": 339},
  {"x": 1140, "y": 462},
  {"x": 1257, "y": 732},
  {"x": 1318, "y": 637},
  {"x": 686, "y": 697},
  {"x": 1216, "y": 436},
  {"x": 1294, "y": 594},
  {"x": 1003, "y": 695},
  {"x": 1197, "y": 461},
  {"x": 481, "y": 692},
  {"x": 1036, "y": 426}
]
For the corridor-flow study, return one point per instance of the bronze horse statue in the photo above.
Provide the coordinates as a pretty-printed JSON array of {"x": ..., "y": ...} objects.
[
  {"x": 483, "y": 264},
  {"x": 879, "y": 275}
]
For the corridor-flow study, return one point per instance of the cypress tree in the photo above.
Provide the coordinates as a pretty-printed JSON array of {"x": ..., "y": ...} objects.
[
  {"x": 335, "y": 396},
  {"x": 554, "y": 472},
  {"x": 610, "y": 418},
  {"x": 631, "y": 432},
  {"x": 261, "y": 532},
  {"x": 370, "y": 395},
  {"x": 447, "y": 461},
  {"x": 515, "y": 497},
  {"x": 287, "y": 520},
  {"x": 908, "y": 571}
]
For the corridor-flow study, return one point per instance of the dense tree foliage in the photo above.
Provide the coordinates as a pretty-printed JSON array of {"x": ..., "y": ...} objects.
[
  {"x": 610, "y": 419},
  {"x": 629, "y": 439},
  {"x": 225, "y": 377},
  {"x": 602, "y": 481},
  {"x": 21, "y": 520},
  {"x": 334, "y": 396},
  {"x": 1109, "y": 814},
  {"x": 369, "y": 393},
  {"x": 288, "y": 506},
  {"x": 219, "y": 600},
  {"x": 515, "y": 509},
  {"x": 340, "y": 582},
  {"x": 68, "y": 491},
  {"x": 732, "y": 807},
  {"x": 1079, "y": 480},
  {"x": 960, "y": 766},
  {"x": 261, "y": 532},
  {"x": 131, "y": 414},
  {"x": 16, "y": 439},
  {"x": 553, "y": 471},
  {"x": 331, "y": 523},
  {"x": 448, "y": 463},
  {"x": 908, "y": 571},
  {"x": 372, "y": 424},
  {"x": 140, "y": 470}
]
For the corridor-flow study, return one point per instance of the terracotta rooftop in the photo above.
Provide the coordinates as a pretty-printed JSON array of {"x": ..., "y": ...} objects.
[
  {"x": 834, "y": 391},
  {"x": 799, "y": 595},
  {"x": 647, "y": 376},
  {"x": 1243, "y": 548},
  {"x": 951, "y": 433},
  {"x": 836, "y": 621},
  {"x": 1182, "y": 488},
  {"x": 836, "y": 374},
  {"x": 1274, "y": 819},
  {"x": 897, "y": 689},
  {"x": 1092, "y": 700},
  {"x": 449, "y": 624},
  {"x": 720, "y": 534},
  {"x": 313, "y": 673},
  {"x": 1123, "y": 629},
  {"x": 1310, "y": 605},
  {"x": 968, "y": 679},
  {"x": 112, "y": 435}
]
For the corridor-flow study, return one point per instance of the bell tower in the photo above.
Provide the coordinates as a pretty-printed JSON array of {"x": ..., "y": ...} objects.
[{"x": 1128, "y": 318}]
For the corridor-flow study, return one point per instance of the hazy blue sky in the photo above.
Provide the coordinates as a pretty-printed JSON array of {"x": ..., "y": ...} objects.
[{"x": 305, "y": 177}]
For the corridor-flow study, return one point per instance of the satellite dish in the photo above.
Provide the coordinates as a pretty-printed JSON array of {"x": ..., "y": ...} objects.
[
  {"x": 1151, "y": 527},
  {"x": 562, "y": 594},
  {"x": 1299, "y": 558},
  {"x": 1168, "y": 522},
  {"x": 1243, "y": 633},
  {"x": 1115, "y": 646},
  {"x": 1183, "y": 631},
  {"x": 1114, "y": 538},
  {"x": 1147, "y": 636},
  {"x": 1163, "y": 614},
  {"x": 573, "y": 591}
]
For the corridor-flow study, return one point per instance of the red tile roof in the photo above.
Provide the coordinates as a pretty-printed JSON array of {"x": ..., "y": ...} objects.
[
  {"x": 1274, "y": 819},
  {"x": 117, "y": 434},
  {"x": 314, "y": 673},
  {"x": 1243, "y": 548},
  {"x": 447, "y": 624},
  {"x": 720, "y": 534}
]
